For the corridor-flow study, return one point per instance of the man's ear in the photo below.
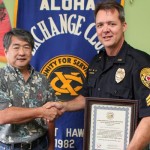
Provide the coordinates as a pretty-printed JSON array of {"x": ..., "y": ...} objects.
[
  {"x": 124, "y": 26},
  {"x": 5, "y": 51}
]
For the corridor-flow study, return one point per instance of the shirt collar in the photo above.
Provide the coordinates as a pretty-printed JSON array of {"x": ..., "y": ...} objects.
[
  {"x": 121, "y": 56},
  {"x": 16, "y": 70}
]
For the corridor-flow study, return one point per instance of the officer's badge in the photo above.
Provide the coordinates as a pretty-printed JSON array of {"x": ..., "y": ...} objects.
[
  {"x": 145, "y": 77},
  {"x": 120, "y": 74}
]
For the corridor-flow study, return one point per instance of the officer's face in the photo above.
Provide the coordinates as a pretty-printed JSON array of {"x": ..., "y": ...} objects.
[
  {"x": 19, "y": 53},
  {"x": 110, "y": 30}
]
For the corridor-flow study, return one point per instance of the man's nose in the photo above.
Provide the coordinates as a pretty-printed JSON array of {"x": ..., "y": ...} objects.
[
  {"x": 21, "y": 51},
  {"x": 106, "y": 28}
]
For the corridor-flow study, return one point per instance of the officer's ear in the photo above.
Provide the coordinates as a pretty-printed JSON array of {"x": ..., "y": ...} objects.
[{"x": 124, "y": 24}]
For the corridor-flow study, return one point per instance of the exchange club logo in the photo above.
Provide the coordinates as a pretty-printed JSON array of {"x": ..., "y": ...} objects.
[{"x": 66, "y": 74}]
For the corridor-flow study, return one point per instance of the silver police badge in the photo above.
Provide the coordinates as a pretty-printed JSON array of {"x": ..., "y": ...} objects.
[{"x": 120, "y": 74}]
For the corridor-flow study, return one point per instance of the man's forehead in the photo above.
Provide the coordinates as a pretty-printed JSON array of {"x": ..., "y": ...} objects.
[
  {"x": 105, "y": 15},
  {"x": 17, "y": 40},
  {"x": 109, "y": 11}
]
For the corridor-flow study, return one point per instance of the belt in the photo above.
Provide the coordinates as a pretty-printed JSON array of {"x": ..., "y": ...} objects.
[{"x": 26, "y": 146}]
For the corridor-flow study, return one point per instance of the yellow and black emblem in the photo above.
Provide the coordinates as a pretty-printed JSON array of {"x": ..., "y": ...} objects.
[
  {"x": 145, "y": 77},
  {"x": 66, "y": 74}
]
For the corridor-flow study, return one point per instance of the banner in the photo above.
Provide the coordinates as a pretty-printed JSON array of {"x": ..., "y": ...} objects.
[
  {"x": 4, "y": 27},
  {"x": 65, "y": 42}
]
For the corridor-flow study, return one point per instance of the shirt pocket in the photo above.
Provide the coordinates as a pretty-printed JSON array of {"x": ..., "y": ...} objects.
[
  {"x": 119, "y": 92},
  {"x": 91, "y": 82}
]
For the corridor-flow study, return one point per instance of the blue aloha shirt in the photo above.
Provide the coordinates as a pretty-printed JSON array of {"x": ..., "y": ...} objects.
[{"x": 14, "y": 91}]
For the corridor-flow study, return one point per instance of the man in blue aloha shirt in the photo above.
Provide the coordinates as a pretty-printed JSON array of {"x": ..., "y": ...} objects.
[{"x": 25, "y": 120}]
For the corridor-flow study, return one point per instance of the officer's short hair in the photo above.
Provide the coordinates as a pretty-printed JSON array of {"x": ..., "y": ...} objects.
[{"x": 109, "y": 5}]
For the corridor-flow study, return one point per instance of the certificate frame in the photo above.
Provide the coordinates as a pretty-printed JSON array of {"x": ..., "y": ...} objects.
[{"x": 128, "y": 112}]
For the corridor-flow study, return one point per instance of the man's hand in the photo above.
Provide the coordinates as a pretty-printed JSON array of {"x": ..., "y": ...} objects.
[
  {"x": 60, "y": 106},
  {"x": 50, "y": 112}
]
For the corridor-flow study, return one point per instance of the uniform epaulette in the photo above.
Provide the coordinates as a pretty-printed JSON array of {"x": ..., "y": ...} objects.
[{"x": 140, "y": 56}]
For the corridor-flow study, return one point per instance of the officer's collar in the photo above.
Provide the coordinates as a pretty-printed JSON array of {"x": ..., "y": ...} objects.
[{"x": 121, "y": 56}]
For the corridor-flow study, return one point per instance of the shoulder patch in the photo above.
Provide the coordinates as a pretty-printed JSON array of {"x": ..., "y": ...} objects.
[
  {"x": 145, "y": 77},
  {"x": 148, "y": 100}
]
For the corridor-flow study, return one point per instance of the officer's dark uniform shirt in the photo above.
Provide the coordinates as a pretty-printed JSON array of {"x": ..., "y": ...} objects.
[{"x": 125, "y": 76}]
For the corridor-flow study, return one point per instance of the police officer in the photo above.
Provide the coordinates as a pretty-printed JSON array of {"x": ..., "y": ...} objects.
[{"x": 119, "y": 71}]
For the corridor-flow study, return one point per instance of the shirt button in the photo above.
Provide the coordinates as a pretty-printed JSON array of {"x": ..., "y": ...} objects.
[
  {"x": 115, "y": 91},
  {"x": 99, "y": 89}
]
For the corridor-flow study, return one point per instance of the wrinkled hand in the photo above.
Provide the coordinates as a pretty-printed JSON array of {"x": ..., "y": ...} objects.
[
  {"x": 60, "y": 106},
  {"x": 50, "y": 114}
]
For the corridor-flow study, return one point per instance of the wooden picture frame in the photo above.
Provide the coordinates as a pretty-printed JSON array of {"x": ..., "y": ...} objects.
[{"x": 109, "y": 123}]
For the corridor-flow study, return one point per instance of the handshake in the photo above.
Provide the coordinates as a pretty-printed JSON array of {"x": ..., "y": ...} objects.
[{"x": 52, "y": 110}]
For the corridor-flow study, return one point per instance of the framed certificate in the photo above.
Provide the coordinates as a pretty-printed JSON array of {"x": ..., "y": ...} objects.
[{"x": 109, "y": 124}]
